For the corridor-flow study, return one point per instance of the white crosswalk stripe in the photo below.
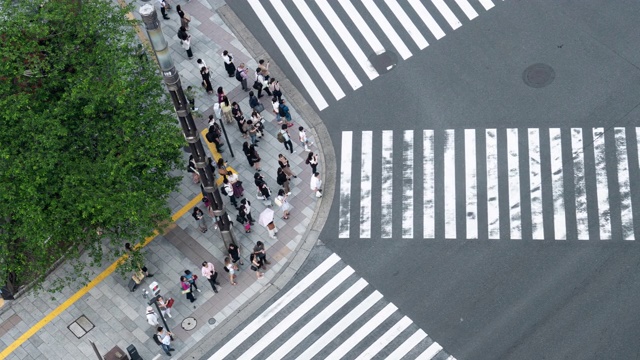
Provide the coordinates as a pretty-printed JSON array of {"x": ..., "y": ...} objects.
[
  {"x": 541, "y": 184},
  {"x": 331, "y": 313},
  {"x": 376, "y": 24}
]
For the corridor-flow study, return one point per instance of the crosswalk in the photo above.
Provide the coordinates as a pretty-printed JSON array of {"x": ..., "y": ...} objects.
[
  {"x": 509, "y": 183},
  {"x": 366, "y": 18},
  {"x": 331, "y": 313}
]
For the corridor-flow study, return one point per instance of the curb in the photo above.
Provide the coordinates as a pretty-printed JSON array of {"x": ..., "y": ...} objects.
[{"x": 323, "y": 206}]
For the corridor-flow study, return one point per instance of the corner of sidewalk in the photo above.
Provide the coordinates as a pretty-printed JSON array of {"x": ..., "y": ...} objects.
[{"x": 320, "y": 215}]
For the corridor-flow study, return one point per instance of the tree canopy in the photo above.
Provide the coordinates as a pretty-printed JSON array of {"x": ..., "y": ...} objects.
[{"x": 88, "y": 138}]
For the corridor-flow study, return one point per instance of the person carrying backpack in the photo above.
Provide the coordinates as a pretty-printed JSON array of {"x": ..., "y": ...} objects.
[{"x": 283, "y": 111}]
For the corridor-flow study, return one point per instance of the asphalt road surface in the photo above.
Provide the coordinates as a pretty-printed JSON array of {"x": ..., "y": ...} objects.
[{"x": 488, "y": 159}]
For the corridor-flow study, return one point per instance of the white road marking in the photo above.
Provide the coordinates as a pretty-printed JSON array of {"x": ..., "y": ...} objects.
[
  {"x": 340, "y": 326},
  {"x": 626, "y": 212},
  {"x": 450, "y": 185},
  {"x": 345, "y": 185},
  {"x": 602, "y": 184},
  {"x": 278, "y": 305},
  {"x": 318, "y": 320},
  {"x": 263, "y": 341},
  {"x": 514, "y": 184},
  {"x": 385, "y": 339},
  {"x": 407, "y": 23},
  {"x": 447, "y": 14},
  {"x": 535, "y": 185},
  {"x": 328, "y": 44},
  {"x": 387, "y": 29},
  {"x": 471, "y": 183},
  {"x": 386, "y": 198},
  {"x": 365, "y": 184},
  {"x": 487, "y": 4},
  {"x": 582, "y": 214},
  {"x": 557, "y": 184},
  {"x": 348, "y": 40},
  {"x": 362, "y": 26},
  {"x": 428, "y": 20},
  {"x": 467, "y": 9},
  {"x": 308, "y": 49},
  {"x": 430, "y": 352},
  {"x": 288, "y": 53},
  {"x": 362, "y": 332},
  {"x": 493, "y": 204},
  {"x": 428, "y": 165},
  {"x": 407, "y": 345},
  {"x": 407, "y": 185}
]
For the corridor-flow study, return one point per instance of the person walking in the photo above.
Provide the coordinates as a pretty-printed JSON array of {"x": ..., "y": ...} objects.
[
  {"x": 242, "y": 219},
  {"x": 152, "y": 318},
  {"x": 193, "y": 170},
  {"x": 191, "y": 98},
  {"x": 191, "y": 278},
  {"x": 264, "y": 68},
  {"x": 312, "y": 160},
  {"x": 228, "y": 63},
  {"x": 227, "y": 189},
  {"x": 258, "y": 121},
  {"x": 254, "y": 103},
  {"x": 234, "y": 179},
  {"x": 163, "y": 9},
  {"x": 262, "y": 253},
  {"x": 206, "y": 80},
  {"x": 274, "y": 87},
  {"x": 259, "y": 82},
  {"x": 165, "y": 340},
  {"x": 253, "y": 132},
  {"x": 247, "y": 152},
  {"x": 275, "y": 104},
  {"x": 186, "y": 289},
  {"x": 281, "y": 200},
  {"x": 209, "y": 272},
  {"x": 185, "y": 40},
  {"x": 283, "y": 180},
  {"x": 201, "y": 64},
  {"x": 242, "y": 75},
  {"x": 227, "y": 113},
  {"x": 234, "y": 252},
  {"x": 185, "y": 19},
  {"x": 284, "y": 112},
  {"x": 255, "y": 157},
  {"x": 285, "y": 138},
  {"x": 198, "y": 215},
  {"x": 231, "y": 269},
  {"x": 165, "y": 306},
  {"x": 221, "y": 94},
  {"x": 316, "y": 184},
  {"x": 284, "y": 164},
  {"x": 263, "y": 190},
  {"x": 256, "y": 265},
  {"x": 246, "y": 206},
  {"x": 302, "y": 136}
]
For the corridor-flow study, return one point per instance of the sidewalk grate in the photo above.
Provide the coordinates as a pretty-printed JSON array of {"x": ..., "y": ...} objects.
[
  {"x": 81, "y": 326},
  {"x": 189, "y": 323}
]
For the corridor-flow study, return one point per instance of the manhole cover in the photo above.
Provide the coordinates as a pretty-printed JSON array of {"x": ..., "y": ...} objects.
[
  {"x": 538, "y": 75},
  {"x": 81, "y": 326},
  {"x": 189, "y": 323},
  {"x": 212, "y": 321},
  {"x": 384, "y": 62}
]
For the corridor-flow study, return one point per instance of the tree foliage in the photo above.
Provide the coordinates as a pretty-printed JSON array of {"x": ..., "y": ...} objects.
[{"x": 87, "y": 135}]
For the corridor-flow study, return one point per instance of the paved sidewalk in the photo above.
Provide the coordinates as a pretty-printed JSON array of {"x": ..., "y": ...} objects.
[{"x": 118, "y": 315}]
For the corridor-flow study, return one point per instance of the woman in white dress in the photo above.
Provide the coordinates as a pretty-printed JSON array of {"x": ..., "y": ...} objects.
[{"x": 281, "y": 200}]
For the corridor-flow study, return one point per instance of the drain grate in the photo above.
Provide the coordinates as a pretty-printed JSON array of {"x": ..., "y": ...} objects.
[
  {"x": 81, "y": 326},
  {"x": 538, "y": 75}
]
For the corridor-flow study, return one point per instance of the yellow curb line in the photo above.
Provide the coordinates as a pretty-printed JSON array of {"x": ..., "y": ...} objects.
[{"x": 98, "y": 279}]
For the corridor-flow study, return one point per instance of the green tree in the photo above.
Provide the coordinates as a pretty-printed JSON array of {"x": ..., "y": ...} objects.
[{"x": 88, "y": 139}]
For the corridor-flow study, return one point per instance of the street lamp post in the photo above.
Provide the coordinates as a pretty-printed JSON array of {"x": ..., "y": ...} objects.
[{"x": 183, "y": 110}]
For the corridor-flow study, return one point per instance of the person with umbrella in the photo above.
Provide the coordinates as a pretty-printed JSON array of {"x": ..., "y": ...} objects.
[{"x": 266, "y": 219}]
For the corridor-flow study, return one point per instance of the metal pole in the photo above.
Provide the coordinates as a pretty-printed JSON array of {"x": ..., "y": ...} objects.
[
  {"x": 226, "y": 137},
  {"x": 183, "y": 110},
  {"x": 155, "y": 302}
]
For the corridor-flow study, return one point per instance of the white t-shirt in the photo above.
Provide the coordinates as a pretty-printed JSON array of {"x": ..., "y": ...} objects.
[{"x": 316, "y": 183}]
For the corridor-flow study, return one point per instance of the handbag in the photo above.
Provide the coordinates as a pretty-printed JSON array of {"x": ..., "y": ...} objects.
[
  {"x": 259, "y": 108},
  {"x": 240, "y": 219},
  {"x": 257, "y": 85}
]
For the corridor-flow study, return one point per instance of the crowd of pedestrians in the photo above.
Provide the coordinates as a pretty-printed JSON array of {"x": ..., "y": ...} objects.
[{"x": 253, "y": 125}]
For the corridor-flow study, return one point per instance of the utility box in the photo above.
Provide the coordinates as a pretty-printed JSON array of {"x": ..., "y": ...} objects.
[
  {"x": 133, "y": 352},
  {"x": 155, "y": 288}
]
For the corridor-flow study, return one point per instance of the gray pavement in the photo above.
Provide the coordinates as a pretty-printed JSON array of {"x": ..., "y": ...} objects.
[
  {"x": 499, "y": 257},
  {"x": 118, "y": 315}
]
